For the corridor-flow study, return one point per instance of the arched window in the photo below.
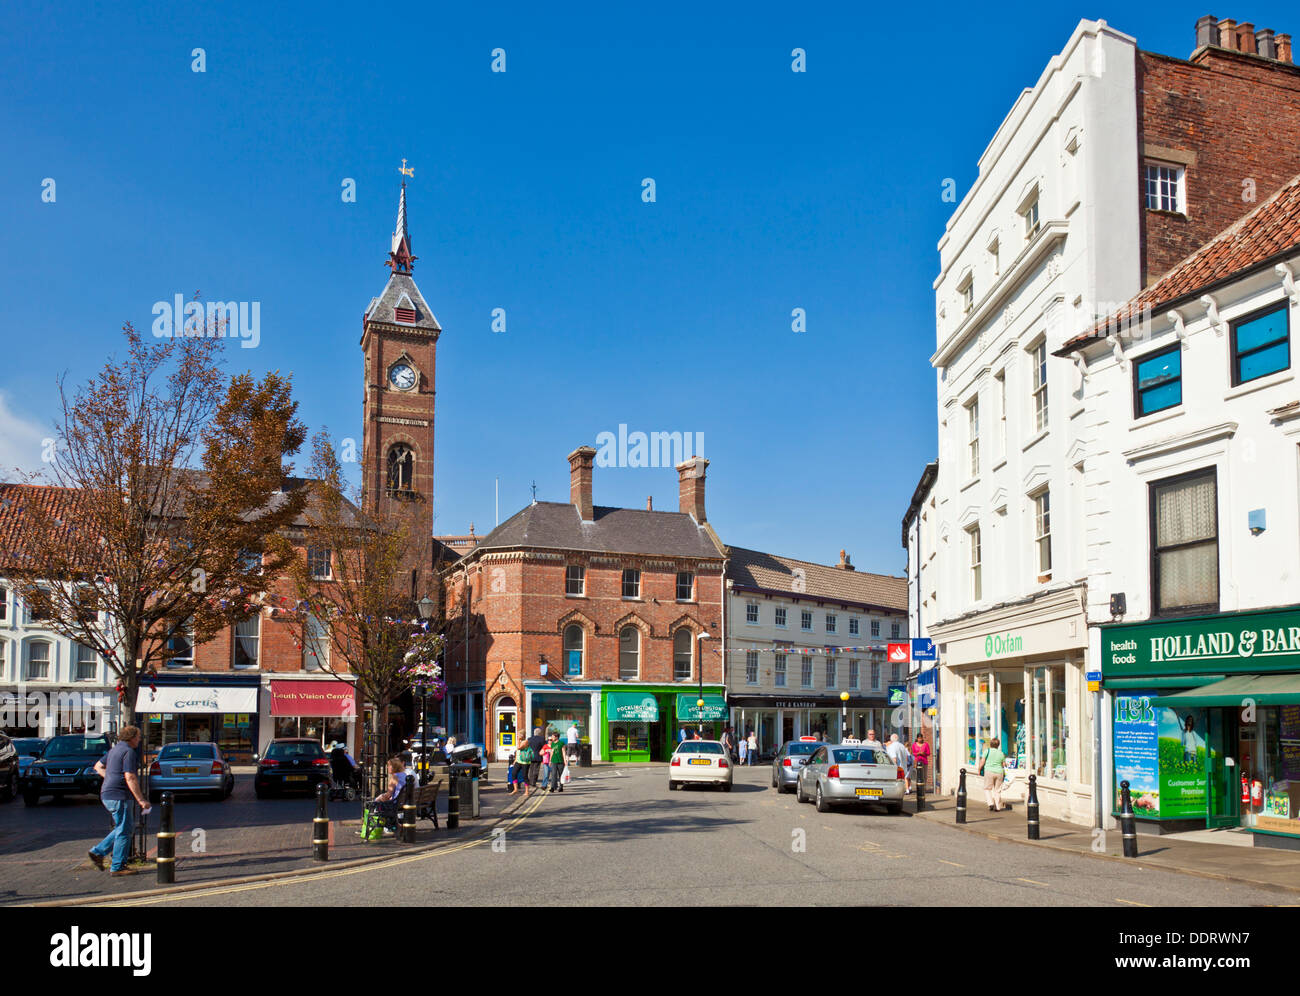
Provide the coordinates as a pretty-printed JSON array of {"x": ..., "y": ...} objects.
[
  {"x": 629, "y": 653},
  {"x": 683, "y": 653},
  {"x": 573, "y": 646},
  {"x": 401, "y": 468}
]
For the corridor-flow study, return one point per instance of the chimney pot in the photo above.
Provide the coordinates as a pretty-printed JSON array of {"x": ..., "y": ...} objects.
[
  {"x": 1284, "y": 48},
  {"x": 580, "y": 462},
  {"x": 1264, "y": 43},
  {"x": 1228, "y": 33},
  {"x": 650, "y": 503},
  {"x": 1207, "y": 31},
  {"x": 690, "y": 487},
  {"x": 1246, "y": 37}
]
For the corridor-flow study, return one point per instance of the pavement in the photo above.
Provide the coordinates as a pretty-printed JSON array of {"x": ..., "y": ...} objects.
[
  {"x": 1198, "y": 853},
  {"x": 43, "y": 849}
]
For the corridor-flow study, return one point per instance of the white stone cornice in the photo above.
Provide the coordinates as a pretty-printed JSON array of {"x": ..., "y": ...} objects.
[
  {"x": 1222, "y": 430},
  {"x": 1176, "y": 320}
]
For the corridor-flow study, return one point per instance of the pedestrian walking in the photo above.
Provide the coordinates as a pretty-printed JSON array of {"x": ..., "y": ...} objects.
[
  {"x": 993, "y": 771},
  {"x": 573, "y": 748},
  {"x": 901, "y": 756},
  {"x": 534, "y": 745},
  {"x": 743, "y": 746},
  {"x": 727, "y": 745},
  {"x": 547, "y": 749},
  {"x": 871, "y": 741},
  {"x": 921, "y": 752},
  {"x": 119, "y": 793},
  {"x": 557, "y": 764},
  {"x": 753, "y": 747},
  {"x": 511, "y": 769}
]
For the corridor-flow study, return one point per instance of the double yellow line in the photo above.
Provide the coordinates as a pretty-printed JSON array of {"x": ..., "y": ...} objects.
[{"x": 523, "y": 813}]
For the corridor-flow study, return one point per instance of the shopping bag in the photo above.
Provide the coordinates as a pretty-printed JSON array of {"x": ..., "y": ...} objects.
[
  {"x": 372, "y": 825},
  {"x": 564, "y": 778}
]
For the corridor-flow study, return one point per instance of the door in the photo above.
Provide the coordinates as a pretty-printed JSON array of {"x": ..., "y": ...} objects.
[
  {"x": 787, "y": 729},
  {"x": 504, "y": 722},
  {"x": 1223, "y": 779}
]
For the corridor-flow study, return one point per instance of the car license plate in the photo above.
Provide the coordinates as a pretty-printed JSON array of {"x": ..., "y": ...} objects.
[
  {"x": 870, "y": 792},
  {"x": 61, "y": 780},
  {"x": 700, "y": 760},
  {"x": 185, "y": 771},
  {"x": 295, "y": 778}
]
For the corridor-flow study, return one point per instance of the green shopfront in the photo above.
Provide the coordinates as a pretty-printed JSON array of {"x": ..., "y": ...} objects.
[
  {"x": 1205, "y": 720},
  {"x": 640, "y": 723}
]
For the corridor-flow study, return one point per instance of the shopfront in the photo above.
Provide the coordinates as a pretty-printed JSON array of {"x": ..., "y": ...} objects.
[
  {"x": 640, "y": 723},
  {"x": 321, "y": 710},
  {"x": 225, "y": 713},
  {"x": 1018, "y": 676},
  {"x": 776, "y": 720},
  {"x": 557, "y": 710},
  {"x": 1205, "y": 721}
]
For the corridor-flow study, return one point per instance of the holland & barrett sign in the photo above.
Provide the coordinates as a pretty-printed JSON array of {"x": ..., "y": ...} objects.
[{"x": 1253, "y": 642}]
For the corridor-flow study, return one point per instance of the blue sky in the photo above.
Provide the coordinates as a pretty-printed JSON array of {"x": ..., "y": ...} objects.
[{"x": 775, "y": 190}]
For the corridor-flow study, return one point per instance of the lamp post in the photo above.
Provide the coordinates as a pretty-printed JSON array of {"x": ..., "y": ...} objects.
[
  {"x": 425, "y": 608},
  {"x": 699, "y": 703},
  {"x": 844, "y": 719}
]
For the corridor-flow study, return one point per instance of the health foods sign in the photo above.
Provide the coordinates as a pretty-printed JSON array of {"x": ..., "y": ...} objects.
[{"x": 1252, "y": 642}]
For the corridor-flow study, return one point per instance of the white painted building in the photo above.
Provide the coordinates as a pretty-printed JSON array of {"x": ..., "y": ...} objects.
[{"x": 1048, "y": 230}]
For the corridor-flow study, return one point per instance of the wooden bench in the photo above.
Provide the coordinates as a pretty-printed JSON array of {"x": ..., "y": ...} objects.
[{"x": 425, "y": 797}]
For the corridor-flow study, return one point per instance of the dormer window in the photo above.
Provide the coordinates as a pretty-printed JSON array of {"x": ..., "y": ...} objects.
[{"x": 404, "y": 310}]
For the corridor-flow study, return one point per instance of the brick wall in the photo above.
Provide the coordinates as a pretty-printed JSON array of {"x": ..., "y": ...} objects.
[{"x": 1233, "y": 117}]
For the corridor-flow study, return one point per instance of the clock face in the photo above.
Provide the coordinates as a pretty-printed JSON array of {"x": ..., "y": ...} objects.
[{"x": 402, "y": 377}]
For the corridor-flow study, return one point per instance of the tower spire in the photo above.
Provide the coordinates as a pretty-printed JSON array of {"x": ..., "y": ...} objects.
[{"x": 399, "y": 256}]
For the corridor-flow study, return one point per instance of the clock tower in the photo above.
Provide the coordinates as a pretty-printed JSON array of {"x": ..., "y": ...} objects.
[{"x": 399, "y": 337}]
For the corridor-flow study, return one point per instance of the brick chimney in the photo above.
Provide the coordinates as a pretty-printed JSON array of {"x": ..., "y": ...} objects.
[
  {"x": 650, "y": 503},
  {"x": 1246, "y": 37},
  {"x": 1283, "y": 48},
  {"x": 1264, "y": 43},
  {"x": 844, "y": 563},
  {"x": 690, "y": 487},
  {"x": 1228, "y": 33},
  {"x": 1207, "y": 31},
  {"x": 580, "y": 481}
]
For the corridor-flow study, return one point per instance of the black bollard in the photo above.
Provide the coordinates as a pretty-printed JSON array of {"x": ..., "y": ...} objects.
[
  {"x": 453, "y": 799},
  {"x": 1031, "y": 808},
  {"x": 1127, "y": 822},
  {"x": 920, "y": 787},
  {"x": 166, "y": 842},
  {"x": 406, "y": 826},
  {"x": 961, "y": 797},
  {"x": 320, "y": 824}
]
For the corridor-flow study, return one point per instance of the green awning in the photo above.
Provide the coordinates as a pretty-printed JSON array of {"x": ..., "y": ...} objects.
[
  {"x": 1181, "y": 681},
  {"x": 715, "y": 708},
  {"x": 1262, "y": 689},
  {"x": 631, "y": 707}
]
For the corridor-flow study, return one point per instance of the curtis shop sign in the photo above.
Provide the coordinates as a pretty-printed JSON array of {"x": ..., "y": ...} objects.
[{"x": 1249, "y": 641}]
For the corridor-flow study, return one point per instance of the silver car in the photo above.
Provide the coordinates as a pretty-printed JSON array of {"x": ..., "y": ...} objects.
[
  {"x": 190, "y": 767},
  {"x": 851, "y": 774},
  {"x": 790, "y": 759}
]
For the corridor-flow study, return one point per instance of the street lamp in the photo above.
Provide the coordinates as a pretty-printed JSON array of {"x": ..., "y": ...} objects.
[
  {"x": 424, "y": 607},
  {"x": 699, "y": 703},
  {"x": 844, "y": 721}
]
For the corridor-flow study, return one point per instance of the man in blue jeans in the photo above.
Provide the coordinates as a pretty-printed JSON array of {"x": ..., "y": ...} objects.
[{"x": 121, "y": 789}]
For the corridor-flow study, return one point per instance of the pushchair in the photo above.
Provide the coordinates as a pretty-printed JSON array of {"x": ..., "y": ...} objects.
[{"x": 345, "y": 777}]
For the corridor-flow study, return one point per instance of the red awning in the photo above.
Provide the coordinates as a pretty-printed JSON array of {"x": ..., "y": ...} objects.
[{"x": 313, "y": 698}]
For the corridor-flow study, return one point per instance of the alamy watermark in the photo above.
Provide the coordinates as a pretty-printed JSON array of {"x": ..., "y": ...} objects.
[
  {"x": 655, "y": 449},
  {"x": 240, "y": 320}
]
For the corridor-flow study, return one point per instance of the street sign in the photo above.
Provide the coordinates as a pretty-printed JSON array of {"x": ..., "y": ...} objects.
[
  {"x": 1094, "y": 676},
  {"x": 923, "y": 649}
]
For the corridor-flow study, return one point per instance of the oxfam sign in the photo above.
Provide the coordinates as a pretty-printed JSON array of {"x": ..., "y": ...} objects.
[{"x": 998, "y": 644}]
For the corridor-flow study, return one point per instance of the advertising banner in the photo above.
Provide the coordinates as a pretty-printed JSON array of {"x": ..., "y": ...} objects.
[{"x": 1160, "y": 752}]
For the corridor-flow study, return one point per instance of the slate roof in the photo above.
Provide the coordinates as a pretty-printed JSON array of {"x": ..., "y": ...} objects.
[
  {"x": 557, "y": 526},
  {"x": 1270, "y": 231},
  {"x": 382, "y": 308},
  {"x": 756, "y": 569}
]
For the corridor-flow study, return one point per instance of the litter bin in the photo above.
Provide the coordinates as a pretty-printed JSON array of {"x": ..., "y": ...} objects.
[
  {"x": 584, "y": 755},
  {"x": 466, "y": 776}
]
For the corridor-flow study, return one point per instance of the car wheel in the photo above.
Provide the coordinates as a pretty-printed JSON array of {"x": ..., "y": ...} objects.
[
  {"x": 895, "y": 808},
  {"x": 775, "y": 784},
  {"x": 11, "y": 789},
  {"x": 798, "y": 791},
  {"x": 229, "y": 790},
  {"x": 822, "y": 805},
  {"x": 31, "y": 798}
]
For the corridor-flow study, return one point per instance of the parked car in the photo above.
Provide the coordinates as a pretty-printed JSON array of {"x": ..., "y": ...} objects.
[
  {"x": 843, "y": 774},
  {"x": 29, "y": 749},
  {"x": 700, "y": 761},
  {"x": 190, "y": 767},
  {"x": 789, "y": 759},
  {"x": 9, "y": 768},
  {"x": 65, "y": 767},
  {"x": 291, "y": 764}
]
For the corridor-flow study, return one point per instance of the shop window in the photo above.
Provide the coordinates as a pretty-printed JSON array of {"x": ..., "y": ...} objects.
[
  {"x": 574, "y": 639},
  {"x": 1261, "y": 344},
  {"x": 315, "y": 645},
  {"x": 683, "y": 654},
  {"x": 248, "y": 637},
  {"x": 979, "y": 715},
  {"x": 778, "y": 671},
  {"x": 1158, "y": 381},
  {"x": 1048, "y": 727},
  {"x": 629, "y": 653},
  {"x": 1185, "y": 544}
]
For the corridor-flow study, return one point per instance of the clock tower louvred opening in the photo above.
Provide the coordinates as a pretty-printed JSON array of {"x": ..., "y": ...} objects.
[{"x": 399, "y": 339}]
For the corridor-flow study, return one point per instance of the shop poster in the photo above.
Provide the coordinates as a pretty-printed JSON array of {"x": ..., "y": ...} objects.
[{"x": 1160, "y": 752}]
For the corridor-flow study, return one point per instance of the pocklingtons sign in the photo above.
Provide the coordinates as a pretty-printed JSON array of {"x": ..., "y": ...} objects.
[{"x": 1253, "y": 642}]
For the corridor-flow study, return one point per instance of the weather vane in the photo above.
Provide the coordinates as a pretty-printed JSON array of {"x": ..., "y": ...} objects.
[{"x": 406, "y": 170}]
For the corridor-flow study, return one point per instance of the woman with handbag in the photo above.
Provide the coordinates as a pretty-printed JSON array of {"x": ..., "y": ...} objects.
[{"x": 991, "y": 767}]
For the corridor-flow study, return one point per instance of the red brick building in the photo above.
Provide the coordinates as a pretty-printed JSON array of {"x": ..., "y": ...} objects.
[
  {"x": 608, "y": 618},
  {"x": 1216, "y": 133}
]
